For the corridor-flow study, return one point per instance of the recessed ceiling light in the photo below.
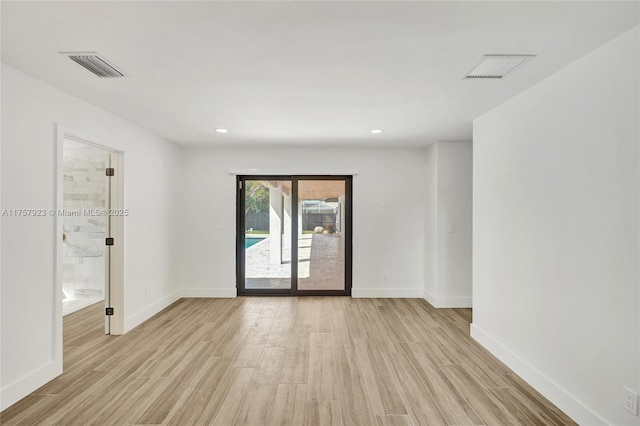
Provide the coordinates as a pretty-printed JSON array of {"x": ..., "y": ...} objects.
[
  {"x": 221, "y": 130},
  {"x": 497, "y": 66},
  {"x": 376, "y": 131}
]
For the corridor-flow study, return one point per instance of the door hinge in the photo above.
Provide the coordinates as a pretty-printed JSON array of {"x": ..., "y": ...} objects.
[
  {"x": 108, "y": 311},
  {"x": 109, "y": 241},
  {"x": 239, "y": 184},
  {"x": 110, "y": 171}
]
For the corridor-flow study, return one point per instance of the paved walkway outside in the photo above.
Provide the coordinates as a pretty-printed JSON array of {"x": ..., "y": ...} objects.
[{"x": 320, "y": 266}]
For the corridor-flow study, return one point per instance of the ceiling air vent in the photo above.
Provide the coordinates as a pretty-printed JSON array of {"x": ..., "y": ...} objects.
[
  {"x": 496, "y": 66},
  {"x": 96, "y": 63}
]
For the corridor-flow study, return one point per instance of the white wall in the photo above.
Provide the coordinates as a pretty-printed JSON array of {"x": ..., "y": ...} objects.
[
  {"x": 384, "y": 239},
  {"x": 448, "y": 217},
  {"x": 2, "y": 347},
  {"x": 31, "y": 348},
  {"x": 555, "y": 233},
  {"x": 431, "y": 221}
]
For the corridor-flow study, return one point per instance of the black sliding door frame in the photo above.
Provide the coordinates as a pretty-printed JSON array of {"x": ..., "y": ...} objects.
[{"x": 240, "y": 237}]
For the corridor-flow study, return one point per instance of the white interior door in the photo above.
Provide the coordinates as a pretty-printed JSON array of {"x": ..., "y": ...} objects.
[
  {"x": 107, "y": 248},
  {"x": 115, "y": 213},
  {"x": 114, "y": 293}
]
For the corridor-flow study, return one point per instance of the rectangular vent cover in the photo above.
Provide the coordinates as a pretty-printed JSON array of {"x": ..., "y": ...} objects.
[
  {"x": 496, "y": 66},
  {"x": 96, "y": 63}
]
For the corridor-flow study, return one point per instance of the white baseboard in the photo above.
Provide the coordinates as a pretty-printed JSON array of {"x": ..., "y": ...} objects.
[
  {"x": 209, "y": 292},
  {"x": 448, "y": 302},
  {"x": 17, "y": 390},
  {"x": 409, "y": 293},
  {"x": 141, "y": 316},
  {"x": 573, "y": 407}
]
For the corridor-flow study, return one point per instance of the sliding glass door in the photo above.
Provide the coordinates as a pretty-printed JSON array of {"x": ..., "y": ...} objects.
[
  {"x": 266, "y": 234},
  {"x": 321, "y": 242},
  {"x": 294, "y": 235}
]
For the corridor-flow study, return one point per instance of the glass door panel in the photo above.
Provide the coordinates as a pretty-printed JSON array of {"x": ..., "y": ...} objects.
[
  {"x": 267, "y": 234},
  {"x": 322, "y": 227}
]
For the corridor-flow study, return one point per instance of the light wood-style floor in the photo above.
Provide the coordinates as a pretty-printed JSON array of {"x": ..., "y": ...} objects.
[{"x": 283, "y": 361}]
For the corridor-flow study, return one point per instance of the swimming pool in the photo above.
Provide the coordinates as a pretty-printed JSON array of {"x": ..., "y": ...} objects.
[{"x": 249, "y": 241}]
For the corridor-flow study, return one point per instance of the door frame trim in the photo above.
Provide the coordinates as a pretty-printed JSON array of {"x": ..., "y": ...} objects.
[
  {"x": 240, "y": 235},
  {"x": 116, "y": 255}
]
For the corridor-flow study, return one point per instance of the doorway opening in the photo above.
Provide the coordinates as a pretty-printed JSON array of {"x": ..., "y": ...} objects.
[
  {"x": 84, "y": 228},
  {"x": 89, "y": 217},
  {"x": 294, "y": 235}
]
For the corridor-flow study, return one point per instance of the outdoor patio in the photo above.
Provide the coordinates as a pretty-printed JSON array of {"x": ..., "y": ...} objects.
[{"x": 320, "y": 266}]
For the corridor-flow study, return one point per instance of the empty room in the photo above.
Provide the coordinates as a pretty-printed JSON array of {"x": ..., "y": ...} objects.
[{"x": 320, "y": 213}]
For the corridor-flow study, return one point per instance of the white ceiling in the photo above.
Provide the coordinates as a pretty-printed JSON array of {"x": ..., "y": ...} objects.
[{"x": 303, "y": 73}]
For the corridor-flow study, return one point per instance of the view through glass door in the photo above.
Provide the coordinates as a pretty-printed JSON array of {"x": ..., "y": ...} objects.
[
  {"x": 294, "y": 235},
  {"x": 266, "y": 248}
]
